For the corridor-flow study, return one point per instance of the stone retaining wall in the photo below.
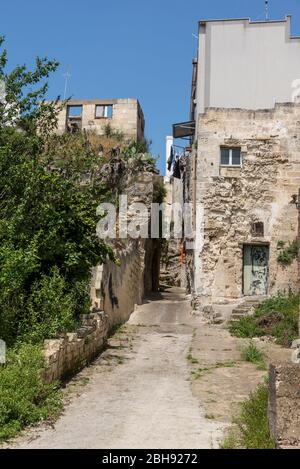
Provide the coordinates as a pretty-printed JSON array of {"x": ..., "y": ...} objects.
[
  {"x": 72, "y": 351},
  {"x": 284, "y": 404}
]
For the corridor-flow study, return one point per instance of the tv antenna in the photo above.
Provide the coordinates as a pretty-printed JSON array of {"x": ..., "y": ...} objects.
[
  {"x": 267, "y": 10},
  {"x": 67, "y": 75}
]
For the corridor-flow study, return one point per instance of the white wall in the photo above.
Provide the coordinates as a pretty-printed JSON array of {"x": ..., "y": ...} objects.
[{"x": 246, "y": 65}]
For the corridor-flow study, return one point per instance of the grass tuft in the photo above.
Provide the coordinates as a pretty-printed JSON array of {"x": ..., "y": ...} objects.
[
  {"x": 252, "y": 354},
  {"x": 251, "y": 430}
]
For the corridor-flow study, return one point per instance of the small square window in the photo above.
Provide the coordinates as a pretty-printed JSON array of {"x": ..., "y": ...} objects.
[
  {"x": 104, "y": 111},
  {"x": 257, "y": 229},
  {"x": 231, "y": 156}
]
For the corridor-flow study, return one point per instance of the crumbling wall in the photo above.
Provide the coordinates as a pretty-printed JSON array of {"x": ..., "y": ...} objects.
[
  {"x": 173, "y": 257},
  {"x": 230, "y": 199},
  {"x": 115, "y": 290},
  {"x": 127, "y": 117},
  {"x": 284, "y": 404},
  {"x": 69, "y": 353}
]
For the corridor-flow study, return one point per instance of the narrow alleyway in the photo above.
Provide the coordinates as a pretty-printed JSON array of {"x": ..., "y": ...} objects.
[{"x": 138, "y": 393}]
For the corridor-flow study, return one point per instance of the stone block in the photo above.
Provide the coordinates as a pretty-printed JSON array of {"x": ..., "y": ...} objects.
[{"x": 284, "y": 403}]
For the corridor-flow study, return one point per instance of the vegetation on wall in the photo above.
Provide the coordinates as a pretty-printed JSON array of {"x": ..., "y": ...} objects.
[
  {"x": 287, "y": 253},
  {"x": 159, "y": 191}
]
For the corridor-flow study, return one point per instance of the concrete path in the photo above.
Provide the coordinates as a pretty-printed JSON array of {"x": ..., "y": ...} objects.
[{"x": 138, "y": 394}]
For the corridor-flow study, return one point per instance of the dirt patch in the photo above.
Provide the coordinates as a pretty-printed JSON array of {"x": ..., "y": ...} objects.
[
  {"x": 269, "y": 321},
  {"x": 220, "y": 379}
]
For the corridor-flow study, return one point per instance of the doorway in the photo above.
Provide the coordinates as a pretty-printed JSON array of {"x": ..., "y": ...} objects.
[{"x": 255, "y": 270}]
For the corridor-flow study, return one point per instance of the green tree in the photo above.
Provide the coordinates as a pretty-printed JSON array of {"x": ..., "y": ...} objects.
[{"x": 48, "y": 241}]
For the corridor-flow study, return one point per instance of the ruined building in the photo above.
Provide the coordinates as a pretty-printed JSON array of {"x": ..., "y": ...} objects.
[
  {"x": 122, "y": 115},
  {"x": 243, "y": 174}
]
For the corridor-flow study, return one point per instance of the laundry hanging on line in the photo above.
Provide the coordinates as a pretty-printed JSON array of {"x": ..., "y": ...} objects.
[
  {"x": 175, "y": 163},
  {"x": 171, "y": 158}
]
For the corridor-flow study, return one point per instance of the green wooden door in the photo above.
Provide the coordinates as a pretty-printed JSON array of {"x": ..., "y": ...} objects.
[{"x": 256, "y": 269}]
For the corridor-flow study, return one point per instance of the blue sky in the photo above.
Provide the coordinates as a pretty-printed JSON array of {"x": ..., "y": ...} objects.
[{"x": 125, "y": 48}]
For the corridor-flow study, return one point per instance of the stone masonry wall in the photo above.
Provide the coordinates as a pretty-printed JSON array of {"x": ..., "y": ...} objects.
[
  {"x": 127, "y": 117},
  {"x": 118, "y": 288},
  {"x": 172, "y": 262},
  {"x": 229, "y": 200},
  {"x": 115, "y": 291},
  {"x": 284, "y": 404},
  {"x": 74, "y": 350}
]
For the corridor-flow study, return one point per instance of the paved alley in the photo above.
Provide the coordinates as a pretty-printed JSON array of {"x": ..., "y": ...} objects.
[{"x": 138, "y": 393}]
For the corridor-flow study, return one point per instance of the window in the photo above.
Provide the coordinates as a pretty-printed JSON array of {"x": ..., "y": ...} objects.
[
  {"x": 257, "y": 229},
  {"x": 104, "y": 111},
  {"x": 74, "y": 118},
  {"x": 74, "y": 111},
  {"x": 231, "y": 156}
]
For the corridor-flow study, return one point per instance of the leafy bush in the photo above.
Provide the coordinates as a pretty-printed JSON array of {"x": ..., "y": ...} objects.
[
  {"x": 47, "y": 224},
  {"x": 25, "y": 398},
  {"x": 251, "y": 429},
  {"x": 52, "y": 307},
  {"x": 277, "y": 317}
]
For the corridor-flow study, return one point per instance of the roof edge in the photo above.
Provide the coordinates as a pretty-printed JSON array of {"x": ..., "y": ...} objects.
[{"x": 286, "y": 19}]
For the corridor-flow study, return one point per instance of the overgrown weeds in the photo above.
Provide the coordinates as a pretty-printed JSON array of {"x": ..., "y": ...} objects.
[
  {"x": 276, "y": 317},
  {"x": 25, "y": 398},
  {"x": 251, "y": 426}
]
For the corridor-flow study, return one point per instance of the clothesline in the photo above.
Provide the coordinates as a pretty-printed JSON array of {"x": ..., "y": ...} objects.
[{"x": 175, "y": 161}]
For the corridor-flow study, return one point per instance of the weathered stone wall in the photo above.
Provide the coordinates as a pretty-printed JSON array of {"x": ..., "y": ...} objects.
[
  {"x": 229, "y": 200},
  {"x": 284, "y": 404},
  {"x": 172, "y": 261},
  {"x": 115, "y": 291},
  {"x": 118, "y": 288},
  {"x": 127, "y": 117},
  {"x": 73, "y": 350}
]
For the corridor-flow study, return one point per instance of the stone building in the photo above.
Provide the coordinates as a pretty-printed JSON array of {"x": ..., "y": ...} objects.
[
  {"x": 243, "y": 175},
  {"x": 248, "y": 175},
  {"x": 122, "y": 115}
]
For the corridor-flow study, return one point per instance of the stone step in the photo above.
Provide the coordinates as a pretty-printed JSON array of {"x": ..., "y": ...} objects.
[
  {"x": 245, "y": 308},
  {"x": 240, "y": 311},
  {"x": 238, "y": 316}
]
